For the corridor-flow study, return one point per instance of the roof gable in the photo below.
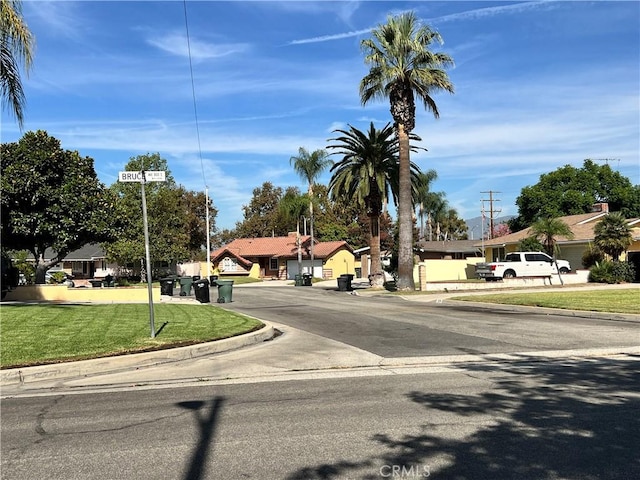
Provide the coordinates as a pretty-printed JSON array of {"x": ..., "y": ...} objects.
[
  {"x": 581, "y": 225},
  {"x": 278, "y": 247}
]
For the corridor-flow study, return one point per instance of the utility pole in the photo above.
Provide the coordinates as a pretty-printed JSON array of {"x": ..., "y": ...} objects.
[{"x": 492, "y": 210}]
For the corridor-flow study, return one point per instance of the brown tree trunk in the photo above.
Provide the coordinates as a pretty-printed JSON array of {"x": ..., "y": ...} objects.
[
  {"x": 311, "y": 222},
  {"x": 405, "y": 224},
  {"x": 376, "y": 276}
]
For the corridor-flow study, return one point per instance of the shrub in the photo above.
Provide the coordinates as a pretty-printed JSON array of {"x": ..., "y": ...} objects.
[
  {"x": 591, "y": 256},
  {"x": 58, "y": 277},
  {"x": 611, "y": 272}
]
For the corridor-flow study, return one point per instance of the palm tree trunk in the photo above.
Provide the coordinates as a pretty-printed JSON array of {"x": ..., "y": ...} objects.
[
  {"x": 376, "y": 275},
  {"x": 311, "y": 225},
  {"x": 405, "y": 225},
  {"x": 299, "y": 244}
]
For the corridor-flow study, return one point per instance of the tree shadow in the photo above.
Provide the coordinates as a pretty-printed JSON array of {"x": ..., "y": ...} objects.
[
  {"x": 206, "y": 422},
  {"x": 570, "y": 419}
]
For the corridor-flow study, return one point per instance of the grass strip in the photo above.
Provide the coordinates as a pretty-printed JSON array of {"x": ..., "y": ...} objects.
[
  {"x": 40, "y": 334},
  {"x": 613, "y": 301}
]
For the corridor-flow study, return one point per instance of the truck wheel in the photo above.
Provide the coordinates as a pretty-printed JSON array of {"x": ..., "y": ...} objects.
[
  {"x": 564, "y": 270},
  {"x": 509, "y": 274}
]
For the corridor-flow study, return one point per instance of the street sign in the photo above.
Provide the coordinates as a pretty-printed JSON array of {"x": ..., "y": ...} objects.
[
  {"x": 149, "y": 176},
  {"x": 142, "y": 178}
]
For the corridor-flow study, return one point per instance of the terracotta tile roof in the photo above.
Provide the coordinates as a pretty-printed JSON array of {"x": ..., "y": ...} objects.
[
  {"x": 581, "y": 225},
  {"x": 277, "y": 247}
]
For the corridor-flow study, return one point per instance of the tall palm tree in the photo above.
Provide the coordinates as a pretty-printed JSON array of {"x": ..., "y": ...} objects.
[
  {"x": 424, "y": 191},
  {"x": 368, "y": 174},
  {"x": 292, "y": 207},
  {"x": 16, "y": 47},
  {"x": 402, "y": 67},
  {"x": 547, "y": 230},
  {"x": 309, "y": 166},
  {"x": 436, "y": 207},
  {"x": 613, "y": 235}
]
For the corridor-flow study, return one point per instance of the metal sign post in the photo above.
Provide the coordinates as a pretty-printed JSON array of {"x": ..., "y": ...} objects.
[{"x": 142, "y": 177}]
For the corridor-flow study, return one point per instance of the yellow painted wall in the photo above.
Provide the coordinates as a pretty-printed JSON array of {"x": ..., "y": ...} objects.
[
  {"x": 255, "y": 270},
  {"x": 342, "y": 262},
  {"x": 61, "y": 293},
  {"x": 448, "y": 270}
]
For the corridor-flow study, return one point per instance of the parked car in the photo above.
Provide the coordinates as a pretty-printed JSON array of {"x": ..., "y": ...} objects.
[{"x": 522, "y": 264}]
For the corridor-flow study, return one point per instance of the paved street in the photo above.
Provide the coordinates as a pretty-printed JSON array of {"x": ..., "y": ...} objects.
[
  {"x": 354, "y": 387},
  {"x": 390, "y": 326},
  {"x": 562, "y": 419}
]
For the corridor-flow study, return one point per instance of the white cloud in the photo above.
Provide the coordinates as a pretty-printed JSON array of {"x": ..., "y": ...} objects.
[{"x": 178, "y": 44}]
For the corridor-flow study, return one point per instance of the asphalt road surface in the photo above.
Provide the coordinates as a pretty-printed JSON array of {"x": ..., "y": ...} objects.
[
  {"x": 390, "y": 326},
  {"x": 564, "y": 419}
]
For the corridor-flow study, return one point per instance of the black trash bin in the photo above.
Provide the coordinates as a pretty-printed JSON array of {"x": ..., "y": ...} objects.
[
  {"x": 344, "y": 282},
  {"x": 201, "y": 289},
  {"x": 306, "y": 279},
  {"x": 166, "y": 286},
  {"x": 225, "y": 291},
  {"x": 213, "y": 279}
]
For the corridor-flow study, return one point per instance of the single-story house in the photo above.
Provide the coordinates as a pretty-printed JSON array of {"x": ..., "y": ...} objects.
[
  {"x": 89, "y": 261},
  {"x": 447, "y": 250},
  {"x": 277, "y": 257},
  {"x": 572, "y": 249}
]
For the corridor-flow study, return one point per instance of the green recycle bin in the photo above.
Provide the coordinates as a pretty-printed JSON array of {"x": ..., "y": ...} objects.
[
  {"x": 298, "y": 279},
  {"x": 185, "y": 286},
  {"x": 225, "y": 291}
]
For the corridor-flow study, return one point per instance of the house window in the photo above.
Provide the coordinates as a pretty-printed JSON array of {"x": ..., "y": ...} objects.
[
  {"x": 273, "y": 264},
  {"x": 229, "y": 264}
]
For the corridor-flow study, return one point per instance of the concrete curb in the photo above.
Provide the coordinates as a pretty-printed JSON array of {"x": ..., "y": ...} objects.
[
  {"x": 82, "y": 368},
  {"x": 621, "y": 317}
]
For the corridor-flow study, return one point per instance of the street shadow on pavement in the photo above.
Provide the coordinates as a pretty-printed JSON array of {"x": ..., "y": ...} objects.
[
  {"x": 206, "y": 419},
  {"x": 570, "y": 419}
]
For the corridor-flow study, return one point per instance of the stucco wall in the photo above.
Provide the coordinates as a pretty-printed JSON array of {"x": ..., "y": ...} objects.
[
  {"x": 61, "y": 293},
  {"x": 450, "y": 270},
  {"x": 341, "y": 262}
]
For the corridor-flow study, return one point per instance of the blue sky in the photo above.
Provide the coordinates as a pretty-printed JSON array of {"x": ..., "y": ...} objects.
[{"x": 538, "y": 85}]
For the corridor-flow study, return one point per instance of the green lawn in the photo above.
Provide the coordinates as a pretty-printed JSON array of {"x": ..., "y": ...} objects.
[
  {"x": 38, "y": 334},
  {"x": 615, "y": 301}
]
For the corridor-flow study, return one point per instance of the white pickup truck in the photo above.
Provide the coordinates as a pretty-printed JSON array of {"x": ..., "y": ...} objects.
[{"x": 522, "y": 264}]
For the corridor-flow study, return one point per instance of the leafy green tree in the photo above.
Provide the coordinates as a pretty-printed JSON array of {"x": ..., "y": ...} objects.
[
  {"x": 530, "y": 244},
  {"x": 309, "y": 166},
  {"x": 401, "y": 67},
  {"x": 176, "y": 221},
  {"x": 262, "y": 217},
  {"x": 436, "y": 208},
  {"x": 368, "y": 174},
  {"x": 452, "y": 227},
  {"x": 339, "y": 219},
  {"x": 194, "y": 205},
  {"x": 51, "y": 198},
  {"x": 16, "y": 47},
  {"x": 613, "y": 235},
  {"x": 572, "y": 191}
]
